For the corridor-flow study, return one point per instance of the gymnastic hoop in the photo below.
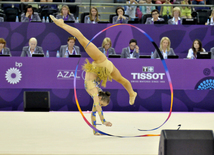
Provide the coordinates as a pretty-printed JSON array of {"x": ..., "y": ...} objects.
[{"x": 168, "y": 77}]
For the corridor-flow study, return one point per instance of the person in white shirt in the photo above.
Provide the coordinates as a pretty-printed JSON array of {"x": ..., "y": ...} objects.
[
  {"x": 196, "y": 47},
  {"x": 176, "y": 20},
  {"x": 31, "y": 49},
  {"x": 211, "y": 19},
  {"x": 70, "y": 48},
  {"x": 131, "y": 9}
]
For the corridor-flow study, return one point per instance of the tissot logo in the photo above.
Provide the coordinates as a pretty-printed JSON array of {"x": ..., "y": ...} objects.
[
  {"x": 66, "y": 74},
  {"x": 148, "y": 69},
  {"x": 148, "y": 73}
]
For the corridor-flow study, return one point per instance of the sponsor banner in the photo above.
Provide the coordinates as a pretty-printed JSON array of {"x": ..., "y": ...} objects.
[{"x": 17, "y": 72}]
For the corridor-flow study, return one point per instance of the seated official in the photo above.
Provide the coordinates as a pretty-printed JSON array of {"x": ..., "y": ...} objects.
[
  {"x": 132, "y": 51},
  {"x": 176, "y": 20},
  {"x": 31, "y": 49},
  {"x": 70, "y": 48},
  {"x": 120, "y": 18},
  {"x": 65, "y": 14},
  {"x": 29, "y": 15},
  {"x": 106, "y": 47},
  {"x": 3, "y": 49},
  {"x": 164, "y": 48},
  {"x": 155, "y": 17},
  {"x": 196, "y": 47},
  {"x": 93, "y": 16},
  {"x": 211, "y": 19},
  {"x": 1, "y": 19}
]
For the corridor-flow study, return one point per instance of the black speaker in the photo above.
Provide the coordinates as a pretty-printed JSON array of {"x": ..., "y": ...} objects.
[
  {"x": 186, "y": 142},
  {"x": 36, "y": 101}
]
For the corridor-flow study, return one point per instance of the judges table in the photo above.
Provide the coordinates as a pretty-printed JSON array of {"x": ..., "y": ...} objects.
[{"x": 192, "y": 80}]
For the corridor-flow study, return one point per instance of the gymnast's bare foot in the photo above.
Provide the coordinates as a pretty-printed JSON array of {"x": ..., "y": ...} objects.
[
  {"x": 98, "y": 134},
  {"x": 132, "y": 98},
  {"x": 58, "y": 22}
]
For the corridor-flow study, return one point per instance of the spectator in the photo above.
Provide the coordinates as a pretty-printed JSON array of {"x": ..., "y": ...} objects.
[
  {"x": 3, "y": 49},
  {"x": 176, "y": 20},
  {"x": 106, "y": 47},
  {"x": 166, "y": 10},
  {"x": 132, "y": 51},
  {"x": 200, "y": 2},
  {"x": 211, "y": 19},
  {"x": 147, "y": 9},
  {"x": 131, "y": 9},
  {"x": 186, "y": 11},
  {"x": 164, "y": 48},
  {"x": 155, "y": 17},
  {"x": 120, "y": 18},
  {"x": 70, "y": 48},
  {"x": 29, "y": 15},
  {"x": 196, "y": 47},
  {"x": 48, "y": 6},
  {"x": 65, "y": 14},
  {"x": 31, "y": 49},
  {"x": 93, "y": 16}
]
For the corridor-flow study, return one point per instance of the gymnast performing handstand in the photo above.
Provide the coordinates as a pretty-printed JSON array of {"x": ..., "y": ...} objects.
[{"x": 100, "y": 70}]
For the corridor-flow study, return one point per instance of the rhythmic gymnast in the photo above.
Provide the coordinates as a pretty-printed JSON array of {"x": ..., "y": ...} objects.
[{"x": 100, "y": 70}]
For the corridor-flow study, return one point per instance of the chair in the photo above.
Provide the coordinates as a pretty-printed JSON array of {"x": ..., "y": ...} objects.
[
  {"x": 203, "y": 15},
  {"x": 145, "y": 17},
  {"x": 82, "y": 17},
  {"x": 74, "y": 9},
  {"x": 111, "y": 18},
  {"x": 11, "y": 13},
  {"x": 46, "y": 13},
  {"x": 166, "y": 18}
]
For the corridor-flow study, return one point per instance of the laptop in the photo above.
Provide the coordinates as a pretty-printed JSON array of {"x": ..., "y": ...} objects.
[
  {"x": 145, "y": 56},
  {"x": 114, "y": 56},
  {"x": 69, "y": 21},
  {"x": 74, "y": 56},
  {"x": 172, "y": 57},
  {"x": 103, "y": 22},
  {"x": 159, "y": 22},
  {"x": 38, "y": 55},
  {"x": 189, "y": 21},
  {"x": 4, "y": 55},
  {"x": 203, "y": 55}
]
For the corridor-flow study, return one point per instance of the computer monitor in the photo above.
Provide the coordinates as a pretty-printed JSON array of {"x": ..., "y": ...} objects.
[
  {"x": 4, "y": 55},
  {"x": 114, "y": 56},
  {"x": 189, "y": 21},
  {"x": 145, "y": 56},
  {"x": 203, "y": 55},
  {"x": 74, "y": 56},
  {"x": 38, "y": 55},
  {"x": 172, "y": 57}
]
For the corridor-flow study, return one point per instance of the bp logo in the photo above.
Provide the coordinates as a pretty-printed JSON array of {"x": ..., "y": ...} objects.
[{"x": 13, "y": 75}]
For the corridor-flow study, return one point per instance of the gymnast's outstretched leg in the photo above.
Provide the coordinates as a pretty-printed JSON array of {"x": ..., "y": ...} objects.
[
  {"x": 97, "y": 56},
  {"x": 91, "y": 49}
]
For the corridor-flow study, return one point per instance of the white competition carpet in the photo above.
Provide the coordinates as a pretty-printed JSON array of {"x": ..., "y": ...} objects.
[{"x": 66, "y": 133}]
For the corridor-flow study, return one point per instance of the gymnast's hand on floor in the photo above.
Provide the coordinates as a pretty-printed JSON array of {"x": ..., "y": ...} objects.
[
  {"x": 107, "y": 123},
  {"x": 58, "y": 22}
]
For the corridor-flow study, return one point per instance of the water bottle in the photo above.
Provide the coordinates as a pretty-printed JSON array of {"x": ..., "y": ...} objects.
[
  {"x": 208, "y": 21},
  {"x": 57, "y": 54},
  {"x": 47, "y": 20},
  {"x": 66, "y": 54},
  {"x": 17, "y": 19},
  {"x": 43, "y": 19},
  {"x": 165, "y": 57},
  {"x": 77, "y": 20},
  {"x": 47, "y": 54},
  {"x": 152, "y": 55}
]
